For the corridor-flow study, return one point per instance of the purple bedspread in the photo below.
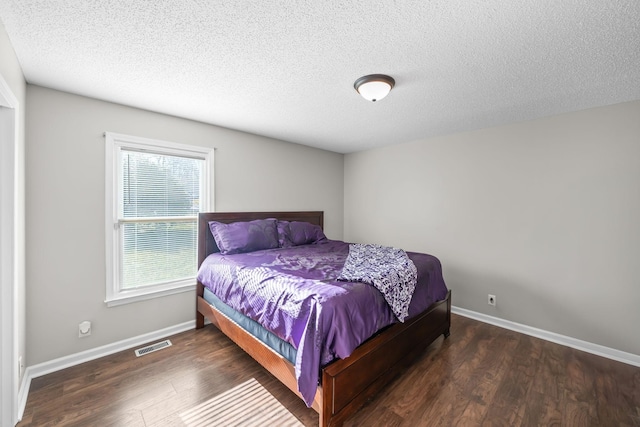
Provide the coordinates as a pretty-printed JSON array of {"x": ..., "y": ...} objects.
[{"x": 294, "y": 293}]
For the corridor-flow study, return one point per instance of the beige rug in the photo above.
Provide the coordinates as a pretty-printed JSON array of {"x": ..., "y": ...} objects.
[{"x": 246, "y": 405}]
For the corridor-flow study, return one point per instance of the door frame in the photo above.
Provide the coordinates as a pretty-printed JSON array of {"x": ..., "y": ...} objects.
[{"x": 9, "y": 370}]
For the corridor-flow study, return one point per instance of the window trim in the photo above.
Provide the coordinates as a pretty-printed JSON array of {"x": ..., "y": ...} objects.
[{"x": 114, "y": 143}]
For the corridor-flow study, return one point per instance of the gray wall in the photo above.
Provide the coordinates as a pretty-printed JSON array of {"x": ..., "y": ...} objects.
[
  {"x": 543, "y": 214},
  {"x": 12, "y": 74},
  {"x": 65, "y": 210}
]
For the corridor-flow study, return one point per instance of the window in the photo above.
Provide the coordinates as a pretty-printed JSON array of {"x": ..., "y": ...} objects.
[{"x": 154, "y": 191}]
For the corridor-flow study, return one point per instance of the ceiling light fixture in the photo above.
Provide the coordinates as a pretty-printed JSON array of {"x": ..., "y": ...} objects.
[{"x": 374, "y": 87}]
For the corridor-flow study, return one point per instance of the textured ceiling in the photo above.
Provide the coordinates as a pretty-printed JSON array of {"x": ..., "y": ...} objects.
[{"x": 285, "y": 69}]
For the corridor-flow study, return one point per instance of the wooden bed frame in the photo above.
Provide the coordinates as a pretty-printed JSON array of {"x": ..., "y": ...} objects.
[{"x": 346, "y": 384}]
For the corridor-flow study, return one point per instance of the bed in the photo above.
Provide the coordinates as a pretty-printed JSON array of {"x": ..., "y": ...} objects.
[{"x": 346, "y": 383}]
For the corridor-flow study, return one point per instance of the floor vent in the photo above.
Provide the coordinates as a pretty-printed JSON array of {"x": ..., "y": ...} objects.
[{"x": 153, "y": 347}]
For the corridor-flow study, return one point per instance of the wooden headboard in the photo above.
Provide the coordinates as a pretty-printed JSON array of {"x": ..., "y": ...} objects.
[{"x": 206, "y": 244}]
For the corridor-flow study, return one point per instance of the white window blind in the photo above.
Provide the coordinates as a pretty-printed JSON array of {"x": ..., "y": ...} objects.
[
  {"x": 158, "y": 188},
  {"x": 160, "y": 199}
]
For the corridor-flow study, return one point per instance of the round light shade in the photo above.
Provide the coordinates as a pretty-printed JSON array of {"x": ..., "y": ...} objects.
[{"x": 374, "y": 86}]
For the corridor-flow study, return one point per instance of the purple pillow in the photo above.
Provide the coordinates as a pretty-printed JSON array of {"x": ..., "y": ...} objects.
[
  {"x": 295, "y": 233},
  {"x": 238, "y": 237}
]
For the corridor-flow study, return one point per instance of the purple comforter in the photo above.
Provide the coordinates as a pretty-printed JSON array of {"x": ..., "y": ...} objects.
[{"x": 294, "y": 293}]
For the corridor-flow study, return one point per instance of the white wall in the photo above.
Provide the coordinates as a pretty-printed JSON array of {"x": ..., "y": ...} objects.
[
  {"x": 65, "y": 211},
  {"x": 543, "y": 214},
  {"x": 12, "y": 74}
]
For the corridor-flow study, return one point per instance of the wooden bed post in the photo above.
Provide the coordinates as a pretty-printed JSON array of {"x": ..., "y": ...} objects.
[
  {"x": 448, "y": 331},
  {"x": 199, "y": 316}
]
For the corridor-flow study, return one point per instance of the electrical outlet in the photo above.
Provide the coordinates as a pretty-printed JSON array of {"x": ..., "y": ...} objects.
[
  {"x": 20, "y": 367},
  {"x": 84, "y": 329},
  {"x": 491, "y": 300}
]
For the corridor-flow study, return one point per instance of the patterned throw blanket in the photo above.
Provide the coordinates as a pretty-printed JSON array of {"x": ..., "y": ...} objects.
[{"x": 388, "y": 269}]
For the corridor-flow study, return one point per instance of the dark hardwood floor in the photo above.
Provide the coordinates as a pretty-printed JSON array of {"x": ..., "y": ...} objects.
[{"x": 480, "y": 375}]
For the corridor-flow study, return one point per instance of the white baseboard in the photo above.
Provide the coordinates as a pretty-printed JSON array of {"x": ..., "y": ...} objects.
[
  {"x": 94, "y": 353},
  {"x": 599, "y": 350}
]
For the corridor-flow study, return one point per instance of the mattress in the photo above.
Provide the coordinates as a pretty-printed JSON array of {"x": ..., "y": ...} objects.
[{"x": 268, "y": 338}]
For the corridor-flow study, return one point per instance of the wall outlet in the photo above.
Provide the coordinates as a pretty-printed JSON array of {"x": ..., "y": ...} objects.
[
  {"x": 84, "y": 329},
  {"x": 20, "y": 367},
  {"x": 491, "y": 300}
]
